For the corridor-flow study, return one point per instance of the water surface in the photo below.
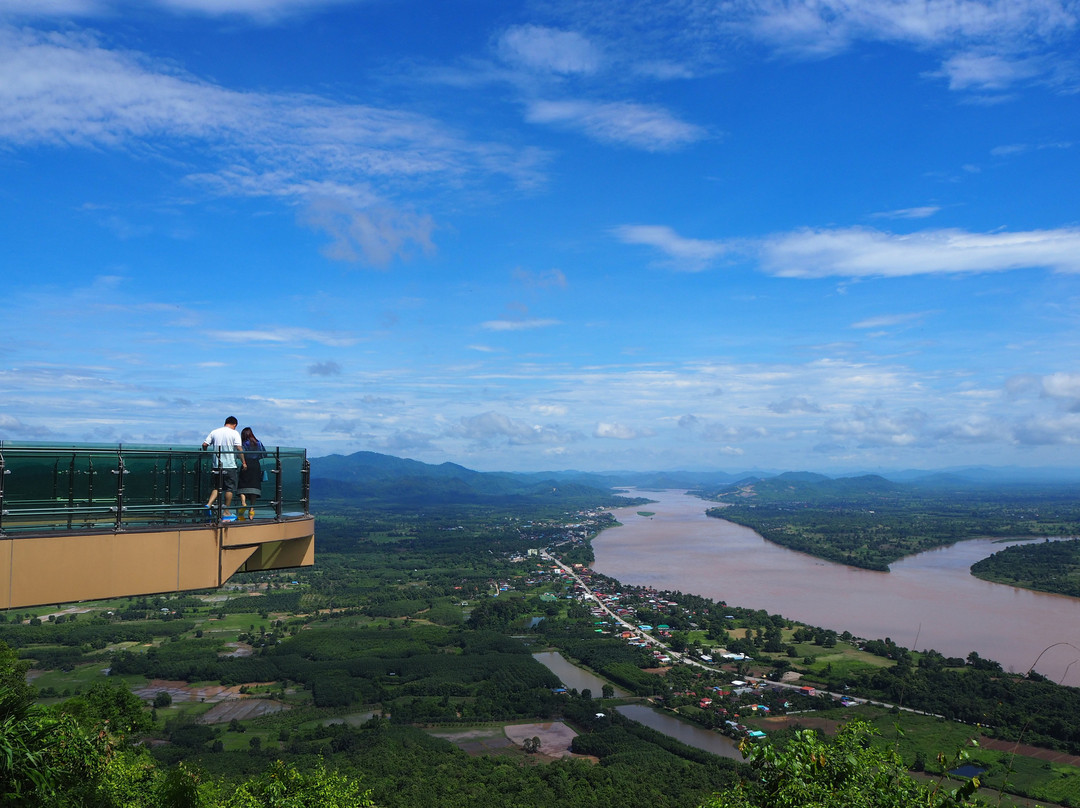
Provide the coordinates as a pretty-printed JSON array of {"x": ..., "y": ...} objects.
[
  {"x": 573, "y": 677},
  {"x": 678, "y": 729},
  {"x": 928, "y": 601}
]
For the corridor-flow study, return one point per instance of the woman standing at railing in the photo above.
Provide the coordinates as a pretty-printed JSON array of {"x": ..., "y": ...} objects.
[{"x": 251, "y": 477}]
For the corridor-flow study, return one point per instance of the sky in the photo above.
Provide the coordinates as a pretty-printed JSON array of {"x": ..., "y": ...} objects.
[{"x": 522, "y": 235}]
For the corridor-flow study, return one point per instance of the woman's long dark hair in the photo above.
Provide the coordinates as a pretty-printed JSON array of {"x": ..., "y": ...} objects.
[{"x": 248, "y": 437}]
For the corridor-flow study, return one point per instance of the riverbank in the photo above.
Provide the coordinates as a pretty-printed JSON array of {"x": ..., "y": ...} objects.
[{"x": 927, "y": 601}]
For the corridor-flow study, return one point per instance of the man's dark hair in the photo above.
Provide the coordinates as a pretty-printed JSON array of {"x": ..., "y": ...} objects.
[{"x": 231, "y": 420}]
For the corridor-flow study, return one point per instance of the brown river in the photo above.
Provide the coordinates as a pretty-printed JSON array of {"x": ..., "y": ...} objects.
[{"x": 927, "y": 601}]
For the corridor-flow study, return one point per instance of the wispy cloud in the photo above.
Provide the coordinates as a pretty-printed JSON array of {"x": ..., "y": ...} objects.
[
  {"x": 619, "y": 431},
  {"x": 921, "y": 212},
  {"x": 344, "y": 160},
  {"x": 490, "y": 426},
  {"x": 889, "y": 320},
  {"x": 863, "y": 252},
  {"x": 639, "y": 126},
  {"x": 1012, "y": 149},
  {"x": 855, "y": 252},
  {"x": 12, "y": 427},
  {"x": 985, "y": 45},
  {"x": 263, "y": 11},
  {"x": 517, "y": 325},
  {"x": 375, "y": 235},
  {"x": 987, "y": 72},
  {"x": 829, "y": 25},
  {"x": 279, "y": 336},
  {"x": 794, "y": 405},
  {"x": 549, "y": 279},
  {"x": 687, "y": 254},
  {"x": 544, "y": 49},
  {"x": 324, "y": 369}
]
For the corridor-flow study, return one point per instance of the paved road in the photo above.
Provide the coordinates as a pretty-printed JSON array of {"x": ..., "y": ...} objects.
[{"x": 687, "y": 659}]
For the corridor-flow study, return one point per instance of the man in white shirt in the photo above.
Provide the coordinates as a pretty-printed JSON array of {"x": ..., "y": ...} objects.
[{"x": 226, "y": 445}]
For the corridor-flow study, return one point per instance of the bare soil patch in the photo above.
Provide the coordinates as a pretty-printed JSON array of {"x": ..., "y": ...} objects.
[
  {"x": 64, "y": 612},
  {"x": 555, "y": 736},
  {"x": 1029, "y": 751},
  {"x": 478, "y": 741},
  {"x": 239, "y": 649},
  {"x": 229, "y": 702},
  {"x": 241, "y": 709}
]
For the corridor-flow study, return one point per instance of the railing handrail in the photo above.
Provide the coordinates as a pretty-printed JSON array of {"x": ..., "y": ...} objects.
[
  {"x": 139, "y": 448},
  {"x": 62, "y": 482}
]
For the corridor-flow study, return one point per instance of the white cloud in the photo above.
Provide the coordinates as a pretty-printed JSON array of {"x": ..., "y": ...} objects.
[
  {"x": 285, "y": 335},
  {"x": 1062, "y": 385},
  {"x": 258, "y": 10},
  {"x": 549, "y": 410},
  {"x": 689, "y": 254},
  {"x": 71, "y": 90},
  {"x": 987, "y": 72},
  {"x": 888, "y": 320},
  {"x": 619, "y": 431},
  {"x": 324, "y": 369},
  {"x": 376, "y": 235},
  {"x": 976, "y": 428},
  {"x": 1018, "y": 40},
  {"x": 11, "y": 427},
  {"x": 794, "y": 405},
  {"x": 1048, "y": 430},
  {"x": 649, "y": 128},
  {"x": 922, "y": 212},
  {"x": 490, "y": 426},
  {"x": 517, "y": 325},
  {"x": 870, "y": 427},
  {"x": 548, "y": 49},
  {"x": 406, "y": 440},
  {"x": 829, "y": 25},
  {"x": 864, "y": 252},
  {"x": 549, "y": 279}
]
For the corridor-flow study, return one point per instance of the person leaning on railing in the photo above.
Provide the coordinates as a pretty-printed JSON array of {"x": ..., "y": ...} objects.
[
  {"x": 251, "y": 478},
  {"x": 227, "y": 447}
]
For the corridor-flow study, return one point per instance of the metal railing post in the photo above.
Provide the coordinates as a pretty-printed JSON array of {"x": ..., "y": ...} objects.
[
  {"x": 71, "y": 490},
  {"x": 305, "y": 483},
  {"x": 43, "y": 501},
  {"x": 119, "y": 471},
  {"x": 4, "y": 470},
  {"x": 278, "y": 484}
]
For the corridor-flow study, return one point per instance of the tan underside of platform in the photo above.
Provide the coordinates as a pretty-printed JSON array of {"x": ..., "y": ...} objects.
[{"x": 37, "y": 570}]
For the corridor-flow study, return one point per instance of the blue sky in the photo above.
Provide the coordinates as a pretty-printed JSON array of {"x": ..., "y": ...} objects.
[{"x": 547, "y": 235}]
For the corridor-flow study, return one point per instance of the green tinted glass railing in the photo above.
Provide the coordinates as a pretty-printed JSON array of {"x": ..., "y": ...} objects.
[{"x": 60, "y": 487}]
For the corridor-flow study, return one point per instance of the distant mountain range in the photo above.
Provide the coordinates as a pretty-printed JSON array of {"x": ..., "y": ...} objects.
[
  {"x": 374, "y": 477},
  {"x": 369, "y": 477}
]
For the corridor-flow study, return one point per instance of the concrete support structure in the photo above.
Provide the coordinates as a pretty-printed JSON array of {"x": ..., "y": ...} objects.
[{"x": 37, "y": 569}]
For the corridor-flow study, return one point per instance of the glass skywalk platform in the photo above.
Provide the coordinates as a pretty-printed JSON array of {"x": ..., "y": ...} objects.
[{"x": 93, "y": 521}]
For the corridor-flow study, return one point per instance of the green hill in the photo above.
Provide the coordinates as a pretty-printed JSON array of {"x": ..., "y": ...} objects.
[{"x": 378, "y": 479}]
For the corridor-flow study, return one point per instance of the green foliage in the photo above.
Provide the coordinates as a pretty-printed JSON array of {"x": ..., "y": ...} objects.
[
  {"x": 286, "y": 786},
  {"x": 1007, "y": 706},
  {"x": 110, "y": 704},
  {"x": 869, "y": 522},
  {"x": 26, "y": 741},
  {"x": 810, "y": 772},
  {"x": 1046, "y": 566}
]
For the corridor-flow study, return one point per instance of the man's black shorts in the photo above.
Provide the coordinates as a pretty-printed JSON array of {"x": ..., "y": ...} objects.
[{"x": 227, "y": 479}]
